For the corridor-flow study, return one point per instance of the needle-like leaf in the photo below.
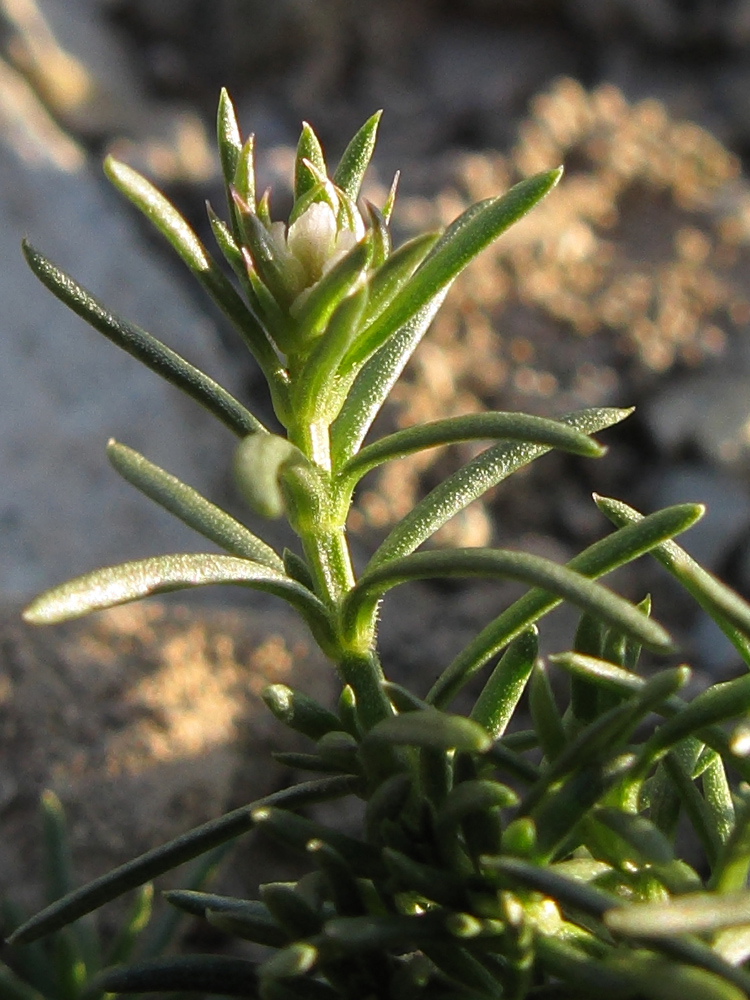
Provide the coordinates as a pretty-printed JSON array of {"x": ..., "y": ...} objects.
[
  {"x": 183, "y": 239},
  {"x": 113, "y": 585},
  {"x": 476, "y": 229},
  {"x": 730, "y": 612},
  {"x": 475, "y": 478},
  {"x": 190, "y": 507},
  {"x": 600, "y": 558},
  {"x": 193, "y": 973},
  {"x": 141, "y": 345},
  {"x": 471, "y": 427},
  {"x": 360, "y": 603},
  {"x": 355, "y": 159},
  {"x": 168, "y": 856}
]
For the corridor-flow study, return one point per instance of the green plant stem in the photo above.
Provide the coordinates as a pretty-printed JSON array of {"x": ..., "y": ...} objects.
[
  {"x": 330, "y": 563},
  {"x": 362, "y": 671}
]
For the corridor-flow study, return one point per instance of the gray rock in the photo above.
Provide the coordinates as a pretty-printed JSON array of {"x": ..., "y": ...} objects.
[
  {"x": 479, "y": 76},
  {"x": 727, "y": 516},
  {"x": 709, "y": 411},
  {"x": 63, "y": 389},
  {"x": 666, "y": 22},
  {"x": 712, "y": 650}
]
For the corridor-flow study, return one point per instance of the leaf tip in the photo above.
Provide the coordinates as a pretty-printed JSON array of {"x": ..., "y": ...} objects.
[{"x": 33, "y": 613}]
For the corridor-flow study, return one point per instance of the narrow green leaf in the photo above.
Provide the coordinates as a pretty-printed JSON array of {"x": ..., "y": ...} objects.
[
  {"x": 495, "y": 706},
  {"x": 163, "y": 929},
  {"x": 311, "y": 318},
  {"x": 294, "y": 960},
  {"x": 141, "y": 345},
  {"x": 56, "y": 846},
  {"x": 356, "y": 157},
  {"x": 297, "y": 832},
  {"x": 391, "y": 276},
  {"x": 300, "y": 712},
  {"x": 471, "y": 427},
  {"x": 733, "y": 862},
  {"x": 317, "y": 392},
  {"x": 252, "y": 918},
  {"x": 347, "y": 710},
  {"x": 402, "y": 699},
  {"x": 440, "y": 885},
  {"x": 545, "y": 713},
  {"x": 607, "y": 734},
  {"x": 374, "y": 382},
  {"x": 305, "y": 762},
  {"x": 569, "y": 892},
  {"x": 229, "y": 142},
  {"x": 476, "y": 796},
  {"x": 12, "y": 987},
  {"x": 342, "y": 885},
  {"x": 291, "y": 909},
  {"x": 615, "y": 678},
  {"x": 600, "y": 672},
  {"x": 693, "y": 803},
  {"x": 719, "y": 703},
  {"x": 386, "y": 803},
  {"x": 718, "y": 796},
  {"x": 212, "y": 974},
  {"x": 381, "y": 237},
  {"x": 113, "y": 585},
  {"x": 132, "y": 927},
  {"x": 358, "y": 934},
  {"x": 244, "y": 174},
  {"x": 461, "y": 242},
  {"x": 530, "y": 569},
  {"x": 403, "y": 323},
  {"x": 273, "y": 270},
  {"x": 165, "y": 217},
  {"x": 229, "y": 245},
  {"x": 696, "y": 913},
  {"x": 430, "y": 728},
  {"x": 190, "y": 507},
  {"x": 271, "y": 316},
  {"x": 308, "y": 148},
  {"x": 296, "y": 567},
  {"x": 168, "y": 856},
  {"x": 650, "y": 844},
  {"x": 475, "y": 478},
  {"x": 228, "y": 135},
  {"x": 584, "y": 697},
  {"x": 79, "y": 952},
  {"x": 726, "y": 607},
  {"x": 600, "y": 558},
  {"x": 559, "y": 812}
]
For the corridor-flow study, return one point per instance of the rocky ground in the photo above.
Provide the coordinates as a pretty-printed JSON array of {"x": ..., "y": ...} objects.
[{"x": 629, "y": 286}]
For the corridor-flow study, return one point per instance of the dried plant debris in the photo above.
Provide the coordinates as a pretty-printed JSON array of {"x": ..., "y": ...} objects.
[{"x": 636, "y": 269}]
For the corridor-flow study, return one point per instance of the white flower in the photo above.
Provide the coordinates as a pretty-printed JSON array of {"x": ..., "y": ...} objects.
[{"x": 314, "y": 243}]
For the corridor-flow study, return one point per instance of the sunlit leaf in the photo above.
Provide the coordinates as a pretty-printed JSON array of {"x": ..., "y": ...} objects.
[{"x": 141, "y": 345}]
